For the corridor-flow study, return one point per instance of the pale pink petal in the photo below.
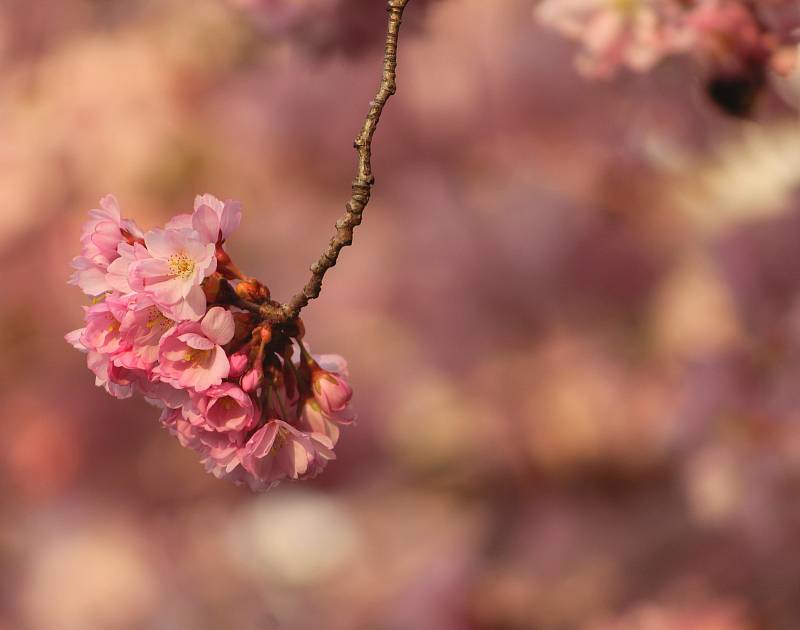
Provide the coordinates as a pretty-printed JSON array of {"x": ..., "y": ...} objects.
[
  {"x": 239, "y": 362},
  {"x": 208, "y": 200},
  {"x": 161, "y": 243},
  {"x": 196, "y": 341},
  {"x": 91, "y": 280},
  {"x": 262, "y": 440},
  {"x": 206, "y": 222},
  {"x": 218, "y": 325},
  {"x": 74, "y": 339},
  {"x": 110, "y": 204},
  {"x": 231, "y": 218},
  {"x": 191, "y": 308},
  {"x": 219, "y": 366},
  {"x": 179, "y": 222}
]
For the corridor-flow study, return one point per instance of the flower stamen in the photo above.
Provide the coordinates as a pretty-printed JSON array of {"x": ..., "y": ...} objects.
[{"x": 181, "y": 265}]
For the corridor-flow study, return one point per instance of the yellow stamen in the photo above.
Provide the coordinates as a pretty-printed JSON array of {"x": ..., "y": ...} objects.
[
  {"x": 157, "y": 318},
  {"x": 280, "y": 440},
  {"x": 181, "y": 265},
  {"x": 194, "y": 356}
]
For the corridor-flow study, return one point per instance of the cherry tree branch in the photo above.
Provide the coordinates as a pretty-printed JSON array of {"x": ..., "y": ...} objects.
[{"x": 362, "y": 184}]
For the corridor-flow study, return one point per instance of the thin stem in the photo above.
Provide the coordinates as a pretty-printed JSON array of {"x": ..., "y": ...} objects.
[{"x": 362, "y": 184}]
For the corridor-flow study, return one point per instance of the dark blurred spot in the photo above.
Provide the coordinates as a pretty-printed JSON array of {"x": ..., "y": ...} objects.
[{"x": 735, "y": 95}]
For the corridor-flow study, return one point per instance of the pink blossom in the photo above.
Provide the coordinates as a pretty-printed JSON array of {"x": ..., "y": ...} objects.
[
  {"x": 253, "y": 378},
  {"x": 102, "y": 331},
  {"x": 73, "y": 338},
  {"x": 313, "y": 420},
  {"x": 191, "y": 354},
  {"x": 89, "y": 276},
  {"x": 221, "y": 455},
  {"x": 180, "y": 261},
  {"x": 215, "y": 220},
  {"x": 224, "y": 408},
  {"x": 328, "y": 405},
  {"x": 279, "y": 451},
  {"x": 329, "y": 386},
  {"x": 117, "y": 274},
  {"x": 161, "y": 394},
  {"x": 152, "y": 333},
  {"x": 219, "y": 452},
  {"x": 117, "y": 381},
  {"x": 239, "y": 362},
  {"x": 631, "y": 33},
  {"x": 142, "y": 325},
  {"x": 100, "y": 237},
  {"x": 728, "y": 35}
]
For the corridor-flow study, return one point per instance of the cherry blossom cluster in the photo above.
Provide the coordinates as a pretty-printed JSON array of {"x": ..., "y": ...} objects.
[
  {"x": 168, "y": 320},
  {"x": 736, "y": 41}
]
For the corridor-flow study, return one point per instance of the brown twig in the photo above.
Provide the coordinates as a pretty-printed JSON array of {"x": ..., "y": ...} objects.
[{"x": 362, "y": 185}]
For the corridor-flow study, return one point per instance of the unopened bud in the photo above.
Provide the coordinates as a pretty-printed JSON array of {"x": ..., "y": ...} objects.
[
  {"x": 252, "y": 380},
  {"x": 252, "y": 290},
  {"x": 238, "y": 362}
]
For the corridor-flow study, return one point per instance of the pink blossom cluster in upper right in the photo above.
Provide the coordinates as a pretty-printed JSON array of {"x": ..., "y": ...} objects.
[{"x": 737, "y": 43}]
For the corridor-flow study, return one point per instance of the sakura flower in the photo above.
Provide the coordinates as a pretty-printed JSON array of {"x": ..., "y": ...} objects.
[
  {"x": 73, "y": 338},
  {"x": 330, "y": 388},
  {"x": 161, "y": 394},
  {"x": 191, "y": 354},
  {"x": 231, "y": 386},
  {"x": 279, "y": 451},
  {"x": 729, "y": 35},
  {"x": 219, "y": 452},
  {"x": 735, "y": 49},
  {"x": 326, "y": 406},
  {"x": 221, "y": 456},
  {"x": 180, "y": 261},
  {"x": 224, "y": 408},
  {"x": 142, "y": 325},
  {"x": 89, "y": 276},
  {"x": 102, "y": 331},
  {"x": 100, "y": 236},
  {"x": 215, "y": 220},
  {"x": 253, "y": 378},
  {"x": 238, "y": 361},
  {"x": 116, "y": 276},
  {"x": 631, "y": 33},
  {"x": 117, "y": 381},
  {"x": 313, "y": 420}
]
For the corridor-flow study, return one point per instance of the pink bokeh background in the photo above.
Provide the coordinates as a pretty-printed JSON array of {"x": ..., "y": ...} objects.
[{"x": 571, "y": 317}]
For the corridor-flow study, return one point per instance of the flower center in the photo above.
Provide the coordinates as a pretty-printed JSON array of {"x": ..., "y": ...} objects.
[
  {"x": 113, "y": 326},
  {"x": 181, "y": 265},
  {"x": 194, "y": 356},
  {"x": 157, "y": 318},
  {"x": 280, "y": 440}
]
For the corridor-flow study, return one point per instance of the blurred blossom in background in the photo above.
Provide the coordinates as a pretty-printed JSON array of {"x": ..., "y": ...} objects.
[{"x": 572, "y": 319}]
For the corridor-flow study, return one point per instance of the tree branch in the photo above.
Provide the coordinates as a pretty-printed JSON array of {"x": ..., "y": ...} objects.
[{"x": 362, "y": 184}]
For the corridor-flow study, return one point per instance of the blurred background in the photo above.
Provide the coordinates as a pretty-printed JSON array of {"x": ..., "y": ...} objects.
[{"x": 572, "y": 319}]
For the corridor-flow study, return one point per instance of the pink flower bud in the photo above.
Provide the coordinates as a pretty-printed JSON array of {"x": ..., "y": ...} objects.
[
  {"x": 238, "y": 361},
  {"x": 331, "y": 391},
  {"x": 252, "y": 380}
]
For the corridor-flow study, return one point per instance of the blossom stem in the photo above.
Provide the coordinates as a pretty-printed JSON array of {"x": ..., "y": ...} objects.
[
  {"x": 362, "y": 184},
  {"x": 281, "y": 404}
]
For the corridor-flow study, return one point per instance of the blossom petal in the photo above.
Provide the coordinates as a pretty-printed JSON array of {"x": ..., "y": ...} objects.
[{"x": 218, "y": 325}]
